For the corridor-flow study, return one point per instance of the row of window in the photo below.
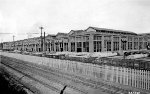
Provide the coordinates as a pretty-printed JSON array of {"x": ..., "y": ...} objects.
[
  {"x": 79, "y": 38},
  {"x": 97, "y": 45},
  {"x": 107, "y": 45},
  {"x": 79, "y": 46}
]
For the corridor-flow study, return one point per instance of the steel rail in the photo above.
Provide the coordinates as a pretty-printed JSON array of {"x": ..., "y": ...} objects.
[{"x": 29, "y": 76}]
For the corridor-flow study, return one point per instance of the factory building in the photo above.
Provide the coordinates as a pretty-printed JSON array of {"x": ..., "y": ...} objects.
[
  {"x": 95, "y": 39},
  {"x": 92, "y": 39}
]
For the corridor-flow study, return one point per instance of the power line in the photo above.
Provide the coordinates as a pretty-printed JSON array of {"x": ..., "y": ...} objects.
[
  {"x": 20, "y": 33},
  {"x": 6, "y": 33}
]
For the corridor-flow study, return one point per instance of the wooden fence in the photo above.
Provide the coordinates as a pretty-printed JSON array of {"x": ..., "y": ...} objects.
[{"x": 121, "y": 75}]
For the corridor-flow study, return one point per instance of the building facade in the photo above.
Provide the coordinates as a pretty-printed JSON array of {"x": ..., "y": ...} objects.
[{"x": 92, "y": 39}]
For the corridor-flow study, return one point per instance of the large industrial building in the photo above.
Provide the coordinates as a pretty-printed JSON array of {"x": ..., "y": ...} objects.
[{"x": 92, "y": 39}]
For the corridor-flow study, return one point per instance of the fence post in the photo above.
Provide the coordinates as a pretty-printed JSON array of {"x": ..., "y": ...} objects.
[{"x": 148, "y": 80}]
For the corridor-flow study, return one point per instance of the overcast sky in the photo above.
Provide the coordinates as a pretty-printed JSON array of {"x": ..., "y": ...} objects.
[{"x": 19, "y": 17}]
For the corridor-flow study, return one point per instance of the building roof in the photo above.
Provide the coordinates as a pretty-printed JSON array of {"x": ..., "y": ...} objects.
[
  {"x": 51, "y": 35},
  {"x": 112, "y": 30},
  {"x": 144, "y": 34},
  {"x": 60, "y": 33},
  {"x": 76, "y": 31}
]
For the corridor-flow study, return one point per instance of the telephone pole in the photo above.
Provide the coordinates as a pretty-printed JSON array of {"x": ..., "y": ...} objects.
[
  {"x": 41, "y": 39},
  {"x": 44, "y": 49},
  {"x": 13, "y": 42},
  {"x": 13, "y": 38},
  {"x": 44, "y": 43}
]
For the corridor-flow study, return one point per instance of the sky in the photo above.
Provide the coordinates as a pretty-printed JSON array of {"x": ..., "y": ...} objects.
[{"x": 19, "y": 17}]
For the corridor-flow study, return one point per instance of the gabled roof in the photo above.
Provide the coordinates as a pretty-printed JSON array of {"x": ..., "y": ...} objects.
[
  {"x": 144, "y": 34},
  {"x": 112, "y": 30},
  {"x": 76, "y": 31},
  {"x": 51, "y": 35},
  {"x": 60, "y": 33}
]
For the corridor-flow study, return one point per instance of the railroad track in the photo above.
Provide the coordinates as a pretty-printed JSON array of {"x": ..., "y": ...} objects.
[
  {"x": 55, "y": 75},
  {"x": 22, "y": 68}
]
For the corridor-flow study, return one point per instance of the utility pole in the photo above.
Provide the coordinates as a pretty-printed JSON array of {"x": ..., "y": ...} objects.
[
  {"x": 44, "y": 44},
  {"x": 41, "y": 39},
  {"x": 13, "y": 38},
  {"x": 13, "y": 42}
]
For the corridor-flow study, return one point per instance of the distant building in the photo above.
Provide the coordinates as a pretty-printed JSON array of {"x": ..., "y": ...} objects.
[{"x": 92, "y": 39}]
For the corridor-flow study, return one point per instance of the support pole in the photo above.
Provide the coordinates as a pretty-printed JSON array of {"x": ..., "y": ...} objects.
[
  {"x": 44, "y": 43},
  {"x": 41, "y": 39},
  {"x": 13, "y": 42}
]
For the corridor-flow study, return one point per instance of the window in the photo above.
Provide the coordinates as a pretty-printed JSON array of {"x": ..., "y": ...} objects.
[
  {"x": 140, "y": 45},
  {"x": 140, "y": 39},
  {"x": 114, "y": 78},
  {"x": 116, "y": 38},
  {"x": 57, "y": 47},
  {"x": 135, "y": 45},
  {"x": 73, "y": 47},
  {"x": 52, "y": 46},
  {"x": 108, "y": 45},
  {"x": 85, "y": 46},
  {"x": 135, "y": 39},
  {"x": 145, "y": 45},
  {"x": 129, "y": 38},
  {"x": 115, "y": 46},
  {"x": 78, "y": 38},
  {"x": 123, "y": 45},
  {"x": 72, "y": 38},
  {"x": 115, "y": 43},
  {"x": 145, "y": 39},
  {"x": 61, "y": 44},
  {"x": 79, "y": 45},
  {"x": 97, "y": 46},
  {"x": 86, "y": 38},
  {"x": 97, "y": 37},
  {"x": 130, "y": 45},
  {"x": 66, "y": 46},
  {"x": 107, "y": 37},
  {"x": 105, "y": 43}
]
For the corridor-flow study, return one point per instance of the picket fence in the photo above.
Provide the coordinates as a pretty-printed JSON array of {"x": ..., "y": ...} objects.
[{"x": 121, "y": 75}]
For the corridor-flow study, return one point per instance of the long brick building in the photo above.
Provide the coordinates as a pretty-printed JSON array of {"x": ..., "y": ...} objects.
[{"x": 92, "y": 39}]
